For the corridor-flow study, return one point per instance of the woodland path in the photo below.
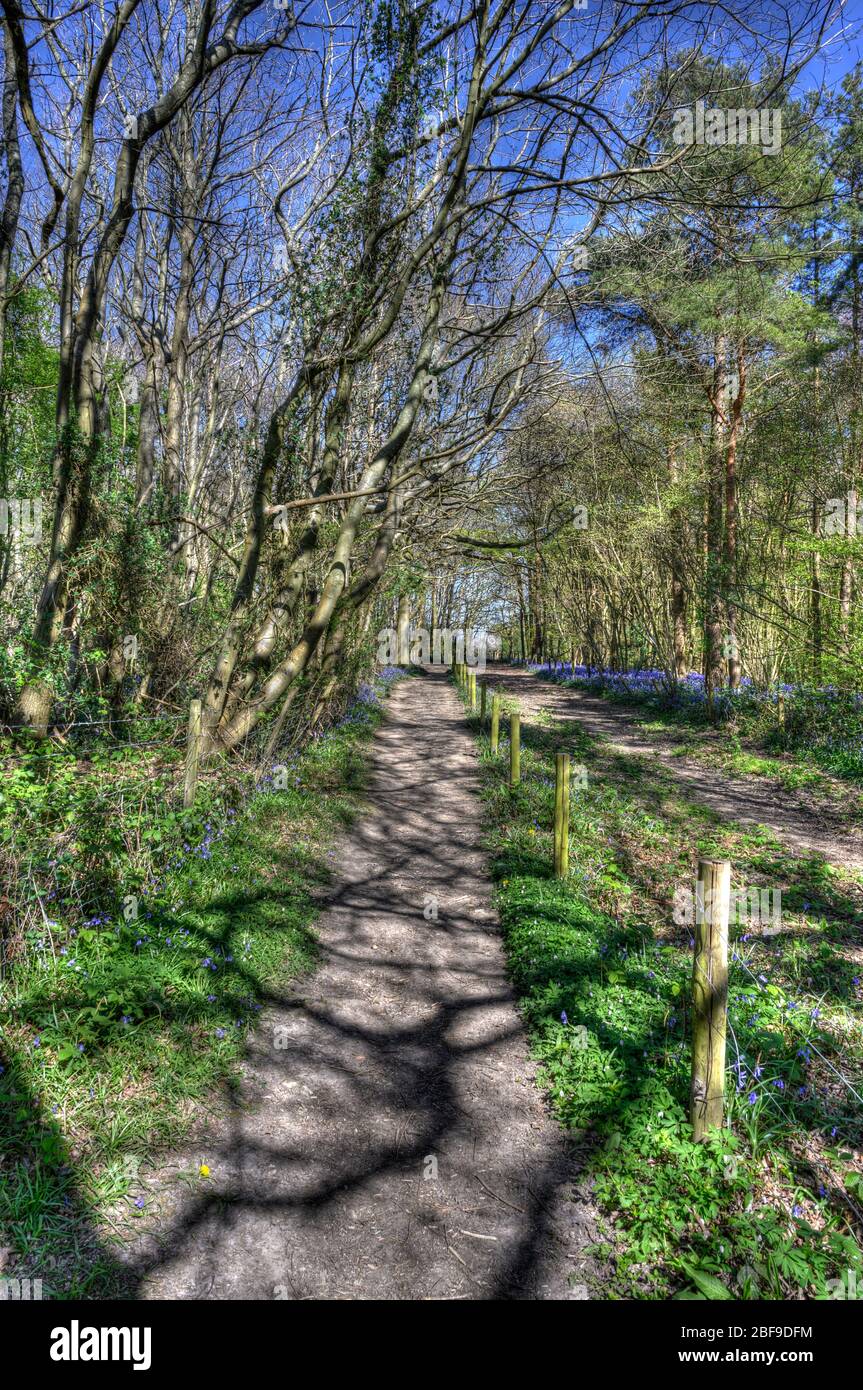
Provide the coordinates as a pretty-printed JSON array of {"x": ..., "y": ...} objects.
[
  {"x": 797, "y": 821},
  {"x": 402, "y": 1048}
]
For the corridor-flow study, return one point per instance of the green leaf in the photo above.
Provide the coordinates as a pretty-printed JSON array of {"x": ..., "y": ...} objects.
[{"x": 709, "y": 1285}]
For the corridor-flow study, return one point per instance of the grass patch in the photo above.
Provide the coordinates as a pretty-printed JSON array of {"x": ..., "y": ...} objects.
[
  {"x": 116, "y": 1032},
  {"x": 769, "y": 1207}
]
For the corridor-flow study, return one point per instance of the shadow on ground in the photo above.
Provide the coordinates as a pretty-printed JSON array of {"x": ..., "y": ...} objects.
[{"x": 385, "y": 1138}]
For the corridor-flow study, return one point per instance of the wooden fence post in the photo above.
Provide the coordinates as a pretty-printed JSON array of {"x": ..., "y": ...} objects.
[
  {"x": 495, "y": 722},
  {"x": 193, "y": 752},
  {"x": 471, "y": 690},
  {"x": 483, "y": 694},
  {"x": 710, "y": 995},
  {"x": 514, "y": 749},
  {"x": 561, "y": 815}
]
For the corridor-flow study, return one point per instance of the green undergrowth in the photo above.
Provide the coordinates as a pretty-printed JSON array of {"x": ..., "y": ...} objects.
[
  {"x": 116, "y": 1035},
  {"x": 769, "y": 1207}
]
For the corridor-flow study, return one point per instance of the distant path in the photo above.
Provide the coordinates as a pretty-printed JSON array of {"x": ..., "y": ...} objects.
[
  {"x": 797, "y": 822},
  {"x": 404, "y": 1056}
]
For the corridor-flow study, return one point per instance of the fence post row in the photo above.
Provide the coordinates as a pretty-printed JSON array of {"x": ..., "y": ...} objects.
[{"x": 710, "y": 964}]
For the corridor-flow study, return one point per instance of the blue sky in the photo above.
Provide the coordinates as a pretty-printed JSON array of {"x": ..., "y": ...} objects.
[{"x": 840, "y": 55}]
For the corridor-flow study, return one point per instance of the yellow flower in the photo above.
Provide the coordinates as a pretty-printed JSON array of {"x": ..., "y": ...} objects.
[{"x": 204, "y": 1171}]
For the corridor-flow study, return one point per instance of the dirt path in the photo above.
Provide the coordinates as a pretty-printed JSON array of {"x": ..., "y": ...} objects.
[
  {"x": 394, "y": 1145},
  {"x": 798, "y": 823}
]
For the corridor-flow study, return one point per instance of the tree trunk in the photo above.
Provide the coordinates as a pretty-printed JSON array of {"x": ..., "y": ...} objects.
[
  {"x": 714, "y": 657},
  {"x": 403, "y": 631},
  {"x": 729, "y": 557}
]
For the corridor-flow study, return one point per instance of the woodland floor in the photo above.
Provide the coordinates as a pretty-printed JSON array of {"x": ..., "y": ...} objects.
[
  {"x": 401, "y": 1057},
  {"x": 385, "y": 1139},
  {"x": 801, "y": 821}
]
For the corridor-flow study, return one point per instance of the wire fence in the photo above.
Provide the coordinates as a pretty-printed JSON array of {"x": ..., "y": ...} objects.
[
  {"x": 736, "y": 959},
  {"x": 54, "y": 744}
]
